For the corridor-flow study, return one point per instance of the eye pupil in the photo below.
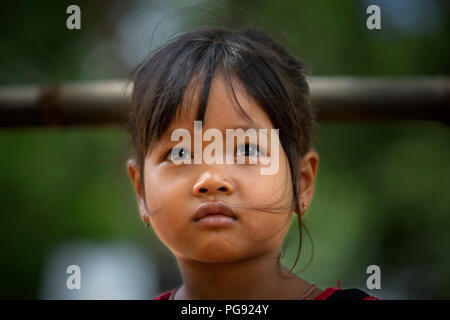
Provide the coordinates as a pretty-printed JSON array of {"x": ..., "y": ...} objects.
[
  {"x": 248, "y": 148},
  {"x": 177, "y": 154},
  {"x": 181, "y": 153}
]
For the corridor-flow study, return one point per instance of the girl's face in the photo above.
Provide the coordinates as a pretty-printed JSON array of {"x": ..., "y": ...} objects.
[{"x": 175, "y": 191}]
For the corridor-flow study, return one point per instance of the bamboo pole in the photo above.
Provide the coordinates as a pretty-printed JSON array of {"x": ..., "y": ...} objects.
[{"x": 338, "y": 99}]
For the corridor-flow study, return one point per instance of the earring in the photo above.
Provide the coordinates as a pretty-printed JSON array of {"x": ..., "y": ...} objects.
[
  {"x": 145, "y": 214},
  {"x": 303, "y": 206},
  {"x": 147, "y": 224}
]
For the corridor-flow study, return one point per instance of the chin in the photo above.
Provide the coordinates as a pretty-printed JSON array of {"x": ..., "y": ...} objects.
[{"x": 217, "y": 253}]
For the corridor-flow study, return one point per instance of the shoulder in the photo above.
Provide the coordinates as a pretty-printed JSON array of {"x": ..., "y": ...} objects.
[
  {"x": 344, "y": 294},
  {"x": 164, "y": 295}
]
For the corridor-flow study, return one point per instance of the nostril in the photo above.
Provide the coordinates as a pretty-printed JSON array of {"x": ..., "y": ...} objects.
[
  {"x": 203, "y": 190},
  {"x": 222, "y": 189}
]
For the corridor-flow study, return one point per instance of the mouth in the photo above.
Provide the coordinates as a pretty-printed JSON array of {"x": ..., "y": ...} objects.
[{"x": 216, "y": 211}]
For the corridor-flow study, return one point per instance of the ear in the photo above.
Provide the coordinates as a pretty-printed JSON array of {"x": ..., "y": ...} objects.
[
  {"x": 135, "y": 175},
  {"x": 307, "y": 179}
]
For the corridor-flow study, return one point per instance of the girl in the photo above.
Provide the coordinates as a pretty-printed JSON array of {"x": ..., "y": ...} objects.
[{"x": 225, "y": 223}]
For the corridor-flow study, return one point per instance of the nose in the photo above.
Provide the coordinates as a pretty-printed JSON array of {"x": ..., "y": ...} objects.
[{"x": 212, "y": 183}]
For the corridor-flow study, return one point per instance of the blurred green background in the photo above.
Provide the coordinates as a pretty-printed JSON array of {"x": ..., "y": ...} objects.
[{"x": 382, "y": 193}]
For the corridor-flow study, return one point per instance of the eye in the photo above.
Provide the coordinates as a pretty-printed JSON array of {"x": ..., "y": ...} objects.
[
  {"x": 177, "y": 154},
  {"x": 248, "y": 150}
]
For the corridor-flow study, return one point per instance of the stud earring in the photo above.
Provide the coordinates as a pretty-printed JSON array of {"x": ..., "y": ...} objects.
[
  {"x": 303, "y": 206},
  {"x": 144, "y": 214},
  {"x": 147, "y": 224}
]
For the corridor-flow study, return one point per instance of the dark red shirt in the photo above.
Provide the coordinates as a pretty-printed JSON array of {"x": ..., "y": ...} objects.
[{"x": 330, "y": 293}]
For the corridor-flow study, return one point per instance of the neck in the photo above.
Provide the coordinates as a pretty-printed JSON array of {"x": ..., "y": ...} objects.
[{"x": 260, "y": 278}]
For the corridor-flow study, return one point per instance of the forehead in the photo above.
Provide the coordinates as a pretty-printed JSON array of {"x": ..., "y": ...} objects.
[{"x": 223, "y": 110}]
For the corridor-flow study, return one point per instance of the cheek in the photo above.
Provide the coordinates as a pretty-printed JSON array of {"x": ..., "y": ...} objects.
[
  {"x": 171, "y": 224},
  {"x": 166, "y": 202},
  {"x": 271, "y": 191},
  {"x": 272, "y": 195},
  {"x": 265, "y": 227}
]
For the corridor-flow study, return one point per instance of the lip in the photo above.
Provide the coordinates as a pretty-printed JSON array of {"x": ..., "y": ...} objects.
[{"x": 214, "y": 213}]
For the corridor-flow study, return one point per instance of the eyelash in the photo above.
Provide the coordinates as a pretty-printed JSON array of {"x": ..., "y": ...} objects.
[{"x": 247, "y": 144}]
